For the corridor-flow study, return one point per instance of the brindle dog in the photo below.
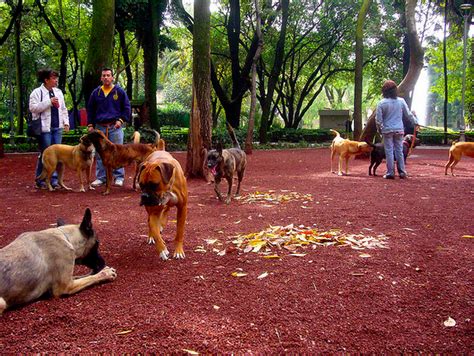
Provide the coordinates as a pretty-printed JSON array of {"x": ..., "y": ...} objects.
[{"x": 223, "y": 163}]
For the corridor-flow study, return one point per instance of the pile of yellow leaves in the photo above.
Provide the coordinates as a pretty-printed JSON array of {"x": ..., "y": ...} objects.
[
  {"x": 272, "y": 197},
  {"x": 291, "y": 238}
]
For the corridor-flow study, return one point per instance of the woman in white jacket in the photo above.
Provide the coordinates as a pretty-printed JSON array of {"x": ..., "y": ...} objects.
[{"x": 47, "y": 104}]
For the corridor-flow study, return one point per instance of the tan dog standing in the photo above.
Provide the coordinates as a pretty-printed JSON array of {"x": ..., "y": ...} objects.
[
  {"x": 38, "y": 262},
  {"x": 455, "y": 153},
  {"x": 345, "y": 149},
  {"x": 77, "y": 157},
  {"x": 164, "y": 186}
]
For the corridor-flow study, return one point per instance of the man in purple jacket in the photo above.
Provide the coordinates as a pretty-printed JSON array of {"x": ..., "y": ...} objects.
[{"x": 107, "y": 110}]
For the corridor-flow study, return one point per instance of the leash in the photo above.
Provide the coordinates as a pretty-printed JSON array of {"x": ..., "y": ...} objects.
[{"x": 412, "y": 142}]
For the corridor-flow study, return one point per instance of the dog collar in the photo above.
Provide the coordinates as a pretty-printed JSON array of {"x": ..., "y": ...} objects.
[{"x": 65, "y": 235}]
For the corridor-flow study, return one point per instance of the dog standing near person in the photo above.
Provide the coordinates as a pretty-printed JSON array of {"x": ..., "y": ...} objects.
[
  {"x": 378, "y": 153},
  {"x": 456, "y": 151},
  {"x": 163, "y": 186},
  {"x": 224, "y": 163},
  {"x": 115, "y": 155},
  {"x": 345, "y": 149},
  {"x": 39, "y": 262},
  {"x": 78, "y": 157}
]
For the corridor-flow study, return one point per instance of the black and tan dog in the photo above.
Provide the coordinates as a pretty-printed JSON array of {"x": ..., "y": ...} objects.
[
  {"x": 345, "y": 149},
  {"x": 78, "y": 157},
  {"x": 39, "y": 262},
  {"x": 163, "y": 186},
  {"x": 378, "y": 153},
  {"x": 115, "y": 155},
  {"x": 224, "y": 163},
  {"x": 456, "y": 151}
]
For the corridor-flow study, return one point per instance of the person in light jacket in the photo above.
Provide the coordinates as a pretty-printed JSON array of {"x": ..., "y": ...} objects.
[
  {"x": 389, "y": 120},
  {"x": 47, "y": 104}
]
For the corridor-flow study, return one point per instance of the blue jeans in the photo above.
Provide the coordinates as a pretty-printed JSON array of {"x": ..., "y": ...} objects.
[
  {"x": 44, "y": 141},
  {"x": 393, "y": 145},
  {"x": 116, "y": 136}
]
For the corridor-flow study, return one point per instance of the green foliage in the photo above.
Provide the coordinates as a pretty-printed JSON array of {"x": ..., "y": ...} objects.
[{"x": 173, "y": 114}]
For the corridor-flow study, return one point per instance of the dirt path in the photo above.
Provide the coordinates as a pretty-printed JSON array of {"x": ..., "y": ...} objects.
[{"x": 321, "y": 299}]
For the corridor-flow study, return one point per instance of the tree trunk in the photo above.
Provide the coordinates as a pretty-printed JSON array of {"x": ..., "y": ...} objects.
[
  {"x": 62, "y": 44},
  {"x": 253, "y": 97},
  {"x": 274, "y": 75},
  {"x": 126, "y": 62},
  {"x": 407, "y": 85},
  {"x": 100, "y": 44},
  {"x": 445, "y": 73},
  {"x": 359, "y": 60},
  {"x": 16, "y": 11},
  {"x": 18, "y": 76},
  {"x": 200, "y": 131},
  {"x": 150, "y": 60}
]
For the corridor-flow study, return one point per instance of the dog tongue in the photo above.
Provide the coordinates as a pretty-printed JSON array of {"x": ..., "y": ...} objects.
[{"x": 214, "y": 170}]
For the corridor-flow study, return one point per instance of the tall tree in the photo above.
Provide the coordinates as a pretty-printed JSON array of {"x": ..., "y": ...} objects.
[
  {"x": 100, "y": 43},
  {"x": 200, "y": 130},
  {"x": 266, "y": 96},
  {"x": 407, "y": 85},
  {"x": 253, "y": 90},
  {"x": 18, "y": 74},
  {"x": 359, "y": 59}
]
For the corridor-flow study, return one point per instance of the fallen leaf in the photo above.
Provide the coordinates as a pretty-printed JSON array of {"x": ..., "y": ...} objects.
[
  {"x": 124, "y": 332},
  {"x": 468, "y": 236},
  {"x": 298, "y": 254},
  {"x": 191, "y": 352},
  {"x": 216, "y": 307},
  {"x": 365, "y": 255},
  {"x": 449, "y": 322},
  {"x": 272, "y": 256},
  {"x": 239, "y": 274},
  {"x": 263, "y": 275}
]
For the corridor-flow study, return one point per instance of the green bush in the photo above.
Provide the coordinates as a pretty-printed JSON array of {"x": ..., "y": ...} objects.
[{"x": 173, "y": 114}]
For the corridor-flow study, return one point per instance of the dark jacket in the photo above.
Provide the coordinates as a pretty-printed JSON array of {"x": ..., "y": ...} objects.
[{"x": 103, "y": 109}]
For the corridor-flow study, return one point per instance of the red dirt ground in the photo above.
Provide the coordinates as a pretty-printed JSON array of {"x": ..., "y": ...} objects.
[{"x": 327, "y": 301}]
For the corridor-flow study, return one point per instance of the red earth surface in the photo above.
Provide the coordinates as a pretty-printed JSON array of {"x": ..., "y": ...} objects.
[{"x": 323, "y": 299}]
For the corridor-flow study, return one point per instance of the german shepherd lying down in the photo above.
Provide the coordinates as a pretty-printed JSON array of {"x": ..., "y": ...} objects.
[{"x": 40, "y": 262}]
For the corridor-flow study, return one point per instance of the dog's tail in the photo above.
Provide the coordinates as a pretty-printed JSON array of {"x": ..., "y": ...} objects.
[
  {"x": 335, "y": 132},
  {"x": 159, "y": 144},
  {"x": 232, "y": 135},
  {"x": 136, "y": 137}
]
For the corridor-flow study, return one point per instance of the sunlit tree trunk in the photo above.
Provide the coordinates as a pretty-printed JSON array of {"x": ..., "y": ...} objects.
[{"x": 199, "y": 140}]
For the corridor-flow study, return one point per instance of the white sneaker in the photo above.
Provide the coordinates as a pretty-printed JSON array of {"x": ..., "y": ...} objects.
[
  {"x": 97, "y": 183},
  {"x": 118, "y": 182}
]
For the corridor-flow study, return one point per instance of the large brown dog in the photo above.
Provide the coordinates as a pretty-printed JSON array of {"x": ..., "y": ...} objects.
[
  {"x": 455, "y": 153},
  {"x": 345, "y": 149},
  {"x": 115, "y": 155},
  {"x": 77, "y": 157},
  {"x": 163, "y": 186},
  {"x": 38, "y": 262},
  {"x": 224, "y": 163}
]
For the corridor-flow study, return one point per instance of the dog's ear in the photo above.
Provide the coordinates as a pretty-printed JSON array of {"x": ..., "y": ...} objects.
[
  {"x": 86, "y": 224},
  {"x": 60, "y": 222},
  {"x": 141, "y": 167},
  {"x": 166, "y": 170}
]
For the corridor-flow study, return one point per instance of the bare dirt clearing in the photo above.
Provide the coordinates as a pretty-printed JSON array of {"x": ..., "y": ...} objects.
[{"x": 310, "y": 299}]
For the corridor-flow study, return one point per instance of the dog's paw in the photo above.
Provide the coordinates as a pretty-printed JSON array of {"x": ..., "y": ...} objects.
[
  {"x": 164, "y": 255},
  {"x": 108, "y": 274},
  {"x": 91, "y": 187},
  {"x": 179, "y": 255},
  {"x": 151, "y": 241},
  {"x": 227, "y": 201}
]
